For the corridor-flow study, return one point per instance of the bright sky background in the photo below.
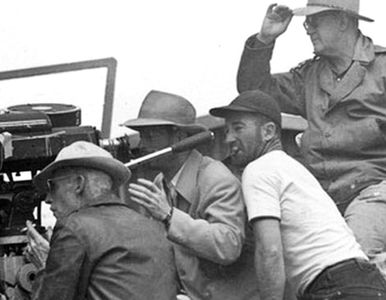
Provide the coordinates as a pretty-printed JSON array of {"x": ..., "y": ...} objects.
[{"x": 187, "y": 47}]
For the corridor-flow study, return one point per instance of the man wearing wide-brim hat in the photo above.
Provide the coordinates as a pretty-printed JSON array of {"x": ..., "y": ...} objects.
[
  {"x": 341, "y": 92},
  {"x": 100, "y": 248},
  {"x": 197, "y": 199}
]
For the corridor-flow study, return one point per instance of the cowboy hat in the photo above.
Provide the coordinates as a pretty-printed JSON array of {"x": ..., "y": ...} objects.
[
  {"x": 313, "y": 7},
  {"x": 165, "y": 109},
  {"x": 87, "y": 155}
]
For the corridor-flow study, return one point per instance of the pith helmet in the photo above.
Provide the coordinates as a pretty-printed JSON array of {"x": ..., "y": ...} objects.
[{"x": 88, "y": 155}]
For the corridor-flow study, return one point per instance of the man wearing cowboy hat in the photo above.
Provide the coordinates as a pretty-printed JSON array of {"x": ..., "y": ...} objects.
[
  {"x": 298, "y": 231},
  {"x": 100, "y": 248},
  {"x": 341, "y": 92},
  {"x": 198, "y": 200}
]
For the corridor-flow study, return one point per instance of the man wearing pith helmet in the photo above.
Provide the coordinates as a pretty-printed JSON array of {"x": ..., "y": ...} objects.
[
  {"x": 100, "y": 248},
  {"x": 199, "y": 202},
  {"x": 298, "y": 231},
  {"x": 341, "y": 92}
]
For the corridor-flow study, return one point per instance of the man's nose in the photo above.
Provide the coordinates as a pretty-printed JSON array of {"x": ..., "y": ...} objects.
[
  {"x": 229, "y": 138},
  {"x": 48, "y": 198},
  {"x": 309, "y": 29}
]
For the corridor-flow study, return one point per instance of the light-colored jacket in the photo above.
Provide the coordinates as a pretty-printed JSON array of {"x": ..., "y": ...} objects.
[{"x": 207, "y": 231}]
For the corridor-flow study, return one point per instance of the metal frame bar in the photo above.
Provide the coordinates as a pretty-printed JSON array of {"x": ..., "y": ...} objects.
[{"x": 109, "y": 63}]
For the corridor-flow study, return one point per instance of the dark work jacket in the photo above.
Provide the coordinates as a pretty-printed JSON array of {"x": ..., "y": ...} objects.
[
  {"x": 107, "y": 251},
  {"x": 344, "y": 145}
]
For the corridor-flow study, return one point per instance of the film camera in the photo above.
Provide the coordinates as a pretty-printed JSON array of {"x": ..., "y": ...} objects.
[{"x": 38, "y": 132}]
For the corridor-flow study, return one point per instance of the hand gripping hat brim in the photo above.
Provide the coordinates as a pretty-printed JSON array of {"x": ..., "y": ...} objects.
[
  {"x": 87, "y": 155},
  {"x": 254, "y": 101},
  {"x": 313, "y": 7},
  {"x": 165, "y": 109}
]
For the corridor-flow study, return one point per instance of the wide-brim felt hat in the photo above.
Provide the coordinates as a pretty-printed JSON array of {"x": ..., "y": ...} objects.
[
  {"x": 254, "y": 101},
  {"x": 313, "y": 7},
  {"x": 166, "y": 109},
  {"x": 87, "y": 155}
]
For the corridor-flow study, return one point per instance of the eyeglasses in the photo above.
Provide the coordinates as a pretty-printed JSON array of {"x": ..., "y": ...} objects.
[
  {"x": 315, "y": 20},
  {"x": 52, "y": 182},
  {"x": 310, "y": 23}
]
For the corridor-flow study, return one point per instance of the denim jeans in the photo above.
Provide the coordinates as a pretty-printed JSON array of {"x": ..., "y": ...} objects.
[{"x": 353, "y": 279}]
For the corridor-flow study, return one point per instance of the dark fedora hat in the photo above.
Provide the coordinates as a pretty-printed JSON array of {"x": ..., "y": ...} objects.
[
  {"x": 87, "y": 155},
  {"x": 254, "y": 101},
  {"x": 313, "y": 7},
  {"x": 165, "y": 109}
]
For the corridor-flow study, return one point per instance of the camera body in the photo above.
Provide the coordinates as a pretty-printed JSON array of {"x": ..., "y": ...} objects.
[{"x": 38, "y": 132}]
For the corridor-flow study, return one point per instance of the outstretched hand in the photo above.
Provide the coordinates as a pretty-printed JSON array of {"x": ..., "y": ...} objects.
[
  {"x": 275, "y": 23},
  {"x": 151, "y": 197},
  {"x": 38, "y": 247}
]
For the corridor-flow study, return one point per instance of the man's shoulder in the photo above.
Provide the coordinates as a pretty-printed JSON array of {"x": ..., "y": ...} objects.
[
  {"x": 215, "y": 167},
  {"x": 89, "y": 223},
  {"x": 306, "y": 64},
  {"x": 272, "y": 163},
  {"x": 379, "y": 49},
  {"x": 275, "y": 157},
  {"x": 88, "y": 217},
  {"x": 214, "y": 173}
]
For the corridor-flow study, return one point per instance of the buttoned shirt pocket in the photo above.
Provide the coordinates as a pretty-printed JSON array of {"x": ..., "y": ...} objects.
[{"x": 356, "y": 136}]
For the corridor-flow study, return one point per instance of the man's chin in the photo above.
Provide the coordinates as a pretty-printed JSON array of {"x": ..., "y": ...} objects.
[{"x": 239, "y": 162}]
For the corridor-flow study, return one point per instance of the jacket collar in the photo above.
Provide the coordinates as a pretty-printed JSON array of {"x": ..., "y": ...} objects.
[
  {"x": 364, "y": 50},
  {"x": 105, "y": 199},
  {"x": 364, "y": 54},
  {"x": 187, "y": 181}
]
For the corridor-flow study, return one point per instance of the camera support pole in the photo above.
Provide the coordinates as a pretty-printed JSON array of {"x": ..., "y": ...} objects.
[{"x": 181, "y": 146}]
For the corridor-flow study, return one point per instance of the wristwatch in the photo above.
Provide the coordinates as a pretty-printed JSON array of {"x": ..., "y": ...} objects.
[{"x": 167, "y": 219}]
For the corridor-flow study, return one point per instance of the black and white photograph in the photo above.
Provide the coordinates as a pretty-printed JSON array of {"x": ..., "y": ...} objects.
[{"x": 192, "y": 150}]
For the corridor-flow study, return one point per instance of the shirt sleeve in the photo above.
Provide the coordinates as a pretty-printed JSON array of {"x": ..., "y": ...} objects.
[
  {"x": 255, "y": 73},
  {"x": 261, "y": 193},
  {"x": 61, "y": 276}
]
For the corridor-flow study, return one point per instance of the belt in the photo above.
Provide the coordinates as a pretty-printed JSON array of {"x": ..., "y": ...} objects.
[{"x": 334, "y": 268}]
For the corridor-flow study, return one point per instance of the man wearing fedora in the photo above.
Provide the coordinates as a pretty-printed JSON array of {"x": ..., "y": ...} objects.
[
  {"x": 299, "y": 232},
  {"x": 100, "y": 248},
  {"x": 199, "y": 201},
  {"x": 341, "y": 92}
]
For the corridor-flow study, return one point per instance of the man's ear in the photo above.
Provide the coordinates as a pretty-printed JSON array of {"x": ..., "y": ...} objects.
[
  {"x": 80, "y": 184},
  {"x": 268, "y": 131},
  {"x": 344, "y": 21},
  {"x": 180, "y": 135}
]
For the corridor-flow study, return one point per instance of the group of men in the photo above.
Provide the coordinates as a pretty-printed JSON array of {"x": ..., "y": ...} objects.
[{"x": 313, "y": 231}]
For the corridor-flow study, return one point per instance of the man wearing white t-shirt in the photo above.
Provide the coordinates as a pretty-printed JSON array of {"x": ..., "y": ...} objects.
[{"x": 299, "y": 232}]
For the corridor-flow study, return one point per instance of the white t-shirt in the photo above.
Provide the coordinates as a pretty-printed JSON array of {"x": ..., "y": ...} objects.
[{"x": 314, "y": 234}]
